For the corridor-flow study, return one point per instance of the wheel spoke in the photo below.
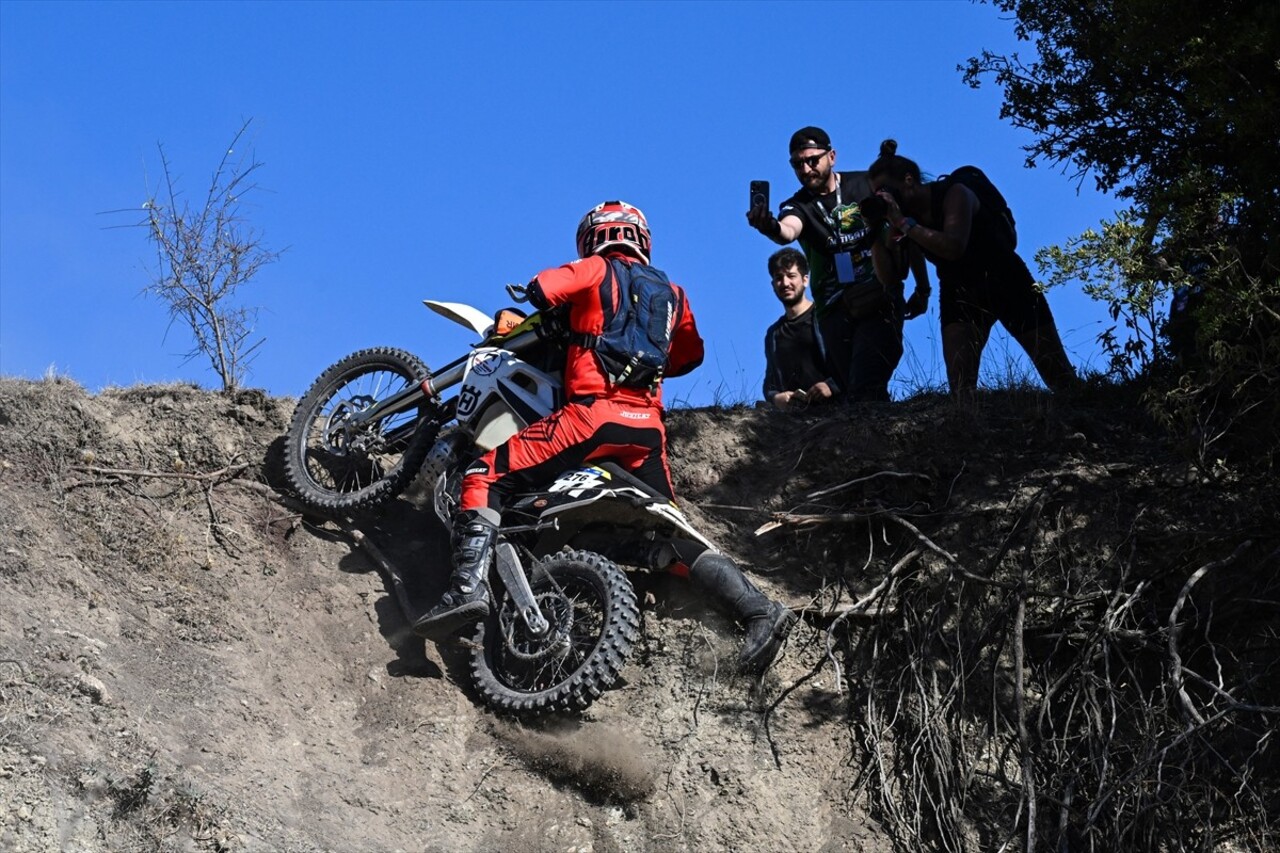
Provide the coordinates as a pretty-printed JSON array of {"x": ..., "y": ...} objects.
[
  {"x": 593, "y": 619},
  {"x": 335, "y": 463},
  {"x": 346, "y": 461}
]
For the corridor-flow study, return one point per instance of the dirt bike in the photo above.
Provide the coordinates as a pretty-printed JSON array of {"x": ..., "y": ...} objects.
[{"x": 563, "y": 617}]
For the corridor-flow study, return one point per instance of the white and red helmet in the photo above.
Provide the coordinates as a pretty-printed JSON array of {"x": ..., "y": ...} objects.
[{"x": 614, "y": 225}]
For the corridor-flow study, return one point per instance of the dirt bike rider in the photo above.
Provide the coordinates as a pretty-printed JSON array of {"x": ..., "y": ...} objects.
[{"x": 601, "y": 422}]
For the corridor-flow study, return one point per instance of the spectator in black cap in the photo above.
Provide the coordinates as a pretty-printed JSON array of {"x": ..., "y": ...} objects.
[{"x": 856, "y": 271}]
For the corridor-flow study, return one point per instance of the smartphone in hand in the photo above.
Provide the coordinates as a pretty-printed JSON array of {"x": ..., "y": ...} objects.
[{"x": 759, "y": 195}]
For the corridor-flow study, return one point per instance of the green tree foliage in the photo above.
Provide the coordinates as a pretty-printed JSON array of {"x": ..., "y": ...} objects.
[{"x": 1172, "y": 106}]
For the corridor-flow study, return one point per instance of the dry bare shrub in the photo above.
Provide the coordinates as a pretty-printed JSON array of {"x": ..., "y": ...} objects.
[
  {"x": 1052, "y": 691},
  {"x": 1079, "y": 703},
  {"x": 206, "y": 253}
]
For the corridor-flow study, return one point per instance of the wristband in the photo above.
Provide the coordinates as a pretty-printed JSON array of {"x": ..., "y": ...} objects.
[{"x": 905, "y": 224}]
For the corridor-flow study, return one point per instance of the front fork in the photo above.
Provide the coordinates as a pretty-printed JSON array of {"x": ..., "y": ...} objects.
[{"x": 516, "y": 581}]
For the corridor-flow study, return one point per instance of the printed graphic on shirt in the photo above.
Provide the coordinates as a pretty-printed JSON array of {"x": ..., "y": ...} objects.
[{"x": 834, "y": 237}]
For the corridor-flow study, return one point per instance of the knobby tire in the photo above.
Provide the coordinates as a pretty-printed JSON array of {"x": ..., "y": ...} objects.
[
  {"x": 344, "y": 482},
  {"x": 605, "y": 626}
]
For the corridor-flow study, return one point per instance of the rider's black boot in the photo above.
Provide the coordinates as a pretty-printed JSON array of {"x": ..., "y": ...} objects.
[
  {"x": 467, "y": 600},
  {"x": 767, "y": 622}
]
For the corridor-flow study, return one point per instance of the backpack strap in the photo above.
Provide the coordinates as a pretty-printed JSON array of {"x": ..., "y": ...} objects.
[
  {"x": 639, "y": 308},
  {"x": 590, "y": 341},
  {"x": 992, "y": 203}
]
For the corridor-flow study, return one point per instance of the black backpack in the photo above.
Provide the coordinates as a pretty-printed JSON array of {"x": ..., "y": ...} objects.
[
  {"x": 990, "y": 198},
  {"x": 632, "y": 350}
]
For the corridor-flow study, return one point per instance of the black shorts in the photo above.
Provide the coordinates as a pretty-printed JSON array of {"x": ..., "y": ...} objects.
[{"x": 980, "y": 297}]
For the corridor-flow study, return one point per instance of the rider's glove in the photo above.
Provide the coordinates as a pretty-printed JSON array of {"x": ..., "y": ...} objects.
[
  {"x": 533, "y": 290},
  {"x": 555, "y": 324}
]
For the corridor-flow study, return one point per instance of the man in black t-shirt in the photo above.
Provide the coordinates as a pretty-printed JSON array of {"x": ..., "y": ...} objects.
[
  {"x": 796, "y": 370},
  {"x": 856, "y": 273}
]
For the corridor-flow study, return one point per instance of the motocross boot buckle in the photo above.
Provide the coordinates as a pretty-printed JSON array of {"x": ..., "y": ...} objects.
[
  {"x": 467, "y": 600},
  {"x": 457, "y": 609}
]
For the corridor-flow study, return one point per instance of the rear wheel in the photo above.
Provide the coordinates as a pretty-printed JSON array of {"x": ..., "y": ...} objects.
[
  {"x": 594, "y": 622},
  {"x": 335, "y": 463}
]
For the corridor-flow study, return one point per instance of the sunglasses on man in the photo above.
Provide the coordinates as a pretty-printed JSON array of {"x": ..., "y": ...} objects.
[{"x": 811, "y": 161}]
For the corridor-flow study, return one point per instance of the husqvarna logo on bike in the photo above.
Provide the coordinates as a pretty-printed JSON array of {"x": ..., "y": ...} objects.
[{"x": 467, "y": 399}]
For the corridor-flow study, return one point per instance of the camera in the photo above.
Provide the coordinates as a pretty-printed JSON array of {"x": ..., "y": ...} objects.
[{"x": 875, "y": 210}]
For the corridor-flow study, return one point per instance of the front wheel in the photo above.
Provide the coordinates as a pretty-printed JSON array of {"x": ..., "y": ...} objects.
[
  {"x": 594, "y": 622},
  {"x": 335, "y": 462}
]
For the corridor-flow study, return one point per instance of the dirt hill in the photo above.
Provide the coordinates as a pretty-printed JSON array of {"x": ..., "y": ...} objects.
[{"x": 1014, "y": 611}]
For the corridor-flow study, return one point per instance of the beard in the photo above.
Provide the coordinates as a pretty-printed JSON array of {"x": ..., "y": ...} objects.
[
  {"x": 793, "y": 300},
  {"x": 816, "y": 181}
]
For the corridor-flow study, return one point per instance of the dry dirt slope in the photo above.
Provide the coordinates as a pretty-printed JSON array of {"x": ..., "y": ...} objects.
[{"x": 186, "y": 665}]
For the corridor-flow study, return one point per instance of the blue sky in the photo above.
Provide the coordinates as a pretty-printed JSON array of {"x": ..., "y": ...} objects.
[{"x": 416, "y": 150}]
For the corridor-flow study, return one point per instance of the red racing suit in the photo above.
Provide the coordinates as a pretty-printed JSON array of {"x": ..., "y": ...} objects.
[{"x": 600, "y": 422}]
